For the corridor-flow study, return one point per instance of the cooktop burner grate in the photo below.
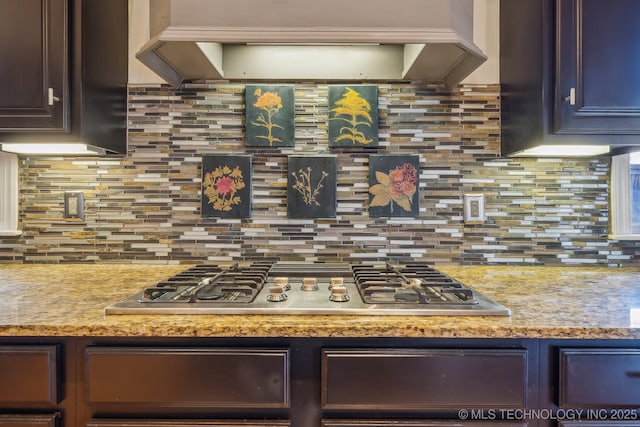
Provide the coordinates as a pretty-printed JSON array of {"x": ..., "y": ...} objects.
[
  {"x": 309, "y": 288},
  {"x": 210, "y": 283},
  {"x": 412, "y": 283}
]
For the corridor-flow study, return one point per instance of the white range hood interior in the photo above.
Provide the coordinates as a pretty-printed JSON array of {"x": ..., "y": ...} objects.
[{"x": 417, "y": 40}]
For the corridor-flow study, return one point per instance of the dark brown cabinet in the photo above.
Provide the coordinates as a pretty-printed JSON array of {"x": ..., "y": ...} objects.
[
  {"x": 30, "y": 375},
  {"x": 569, "y": 74},
  {"x": 31, "y": 385},
  {"x": 63, "y": 73},
  {"x": 599, "y": 378},
  {"x": 186, "y": 423},
  {"x": 298, "y": 382},
  {"x": 313, "y": 382},
  {"x": 33, "y": 71},
  {"x": 32, "y": 420},
  {"x": 417, "y": 423},
  {"x": 598, "y": 71},
  {"x": 423, "y": 379},
  {"x": 186, "y": 378},
  {"x": 187, "y": 385},
  {"x": 589, "y": 383}
]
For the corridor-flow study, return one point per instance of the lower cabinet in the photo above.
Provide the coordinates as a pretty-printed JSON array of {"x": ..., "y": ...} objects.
[
  {"x": 424, "y": 379},
  {"x": 301, "y": 382},
  {"x": 327, "y": 382},
  {"x": 591, "y": 383},
  {"x": 415, "y": 423},
  {"x": 169, "y": 382},
  {"x": 600, "y": 378},
  {"x": 31, "y": 420},
  {"x": 184, "y": 423},
  {"x": 187, "y": 378},
  {"x": 31, "y": 385},
  {"x": 30, "y": 375}
]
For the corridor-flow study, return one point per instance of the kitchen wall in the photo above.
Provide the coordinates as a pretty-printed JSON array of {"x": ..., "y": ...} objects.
[{"x": 145, "y": 206}]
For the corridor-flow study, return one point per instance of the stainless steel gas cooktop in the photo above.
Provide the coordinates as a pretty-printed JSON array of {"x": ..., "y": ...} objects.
[{"x": 310, "y": 288}]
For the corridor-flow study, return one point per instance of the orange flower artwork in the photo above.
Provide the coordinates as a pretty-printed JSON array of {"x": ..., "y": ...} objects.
[{"x": 269, "y": 115}]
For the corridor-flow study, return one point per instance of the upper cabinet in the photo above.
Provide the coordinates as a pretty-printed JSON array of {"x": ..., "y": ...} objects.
[
  {"x": 598, "y": 67},
  {"x": 570, "y": 74},
  {"x": 63, "y": 73},
  {"x": 33, "y": 70}
]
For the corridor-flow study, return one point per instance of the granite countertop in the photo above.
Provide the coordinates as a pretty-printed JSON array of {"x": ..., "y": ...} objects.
[{"x": 546, "y": 302}]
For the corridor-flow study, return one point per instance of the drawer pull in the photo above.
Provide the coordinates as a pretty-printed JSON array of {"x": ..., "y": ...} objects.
[{"x": 633, "y": 374}]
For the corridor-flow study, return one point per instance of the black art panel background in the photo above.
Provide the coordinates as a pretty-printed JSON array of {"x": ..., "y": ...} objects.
[
  {"x": 257, "y": 116},
  {"x": 305, "y": 175},
  {"x": 345, "y": 106},
  {"x": 388, "y": 183},
  {"x": 222, "y": 167}
]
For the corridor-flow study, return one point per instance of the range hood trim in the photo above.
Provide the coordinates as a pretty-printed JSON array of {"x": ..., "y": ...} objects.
[{"x": 175, "y": 56}]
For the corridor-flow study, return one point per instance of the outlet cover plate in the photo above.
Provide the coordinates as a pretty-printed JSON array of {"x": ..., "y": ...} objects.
[
  {"x": 474, "y": 208},
  {"x": 74, "y": 204}
]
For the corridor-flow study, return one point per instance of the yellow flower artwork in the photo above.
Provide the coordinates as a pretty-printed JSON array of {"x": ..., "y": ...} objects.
[{"x": 353, "y": 116}]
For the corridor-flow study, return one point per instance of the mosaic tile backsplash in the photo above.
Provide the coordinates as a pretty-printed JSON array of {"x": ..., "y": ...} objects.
[{"x": 145, "y": 206}]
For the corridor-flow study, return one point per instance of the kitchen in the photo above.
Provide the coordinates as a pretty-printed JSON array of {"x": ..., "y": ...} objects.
[{"x": 141, "y": 224}]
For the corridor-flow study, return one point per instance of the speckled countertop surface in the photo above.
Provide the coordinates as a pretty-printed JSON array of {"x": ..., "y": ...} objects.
[{"x": 546, "y": 302}]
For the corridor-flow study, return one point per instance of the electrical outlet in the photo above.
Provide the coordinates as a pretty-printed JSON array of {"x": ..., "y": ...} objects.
[
  {"x": 74, "y": 204},
  {"x": 474, "y": 208}
]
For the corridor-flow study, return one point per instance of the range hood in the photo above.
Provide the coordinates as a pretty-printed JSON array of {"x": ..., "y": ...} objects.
[{"x": 416, "y": 40}]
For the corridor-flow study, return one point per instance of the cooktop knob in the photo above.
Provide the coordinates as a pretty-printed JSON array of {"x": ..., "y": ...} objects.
[
  {"x": 309, "y": 284},
  {"x": 284, "y": 282},
  {"x": 336, "y": 281},
  {"x": 276, "y": 294},
  {"x": 339, "y": 294}
]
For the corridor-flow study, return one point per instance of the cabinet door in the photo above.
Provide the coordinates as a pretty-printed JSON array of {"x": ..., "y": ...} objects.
[
  {"x": 600, "y": 378},
  {"x": 598, "y": 71},
  {"x": 33, "y": 68},
  {"x": 185, "y": 423},
  {"x": 29, "y": 375},
  {"x": 183, "y": 378},
  {"x": 29, "y": 420},
  {"x": 419, "y": 423},
  {"x": 415, "y": 379}
]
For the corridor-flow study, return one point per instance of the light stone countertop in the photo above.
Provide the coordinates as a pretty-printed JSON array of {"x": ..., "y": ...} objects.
[{"x": 546, "y": 302}]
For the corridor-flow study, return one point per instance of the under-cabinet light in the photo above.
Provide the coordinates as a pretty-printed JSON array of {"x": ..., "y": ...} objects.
[
  {"x": 49, "y": 148},
  {"x": 564, "y": 151}
]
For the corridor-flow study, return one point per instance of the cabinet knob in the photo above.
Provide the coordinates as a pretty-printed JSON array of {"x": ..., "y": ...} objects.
[
  {"x": 51, "y": 97},
  {"x": 571, "y": 99}
]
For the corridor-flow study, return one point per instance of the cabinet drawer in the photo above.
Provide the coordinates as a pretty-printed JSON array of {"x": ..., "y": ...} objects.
[
  {"x": 185, "y": 423},
  {"x": 188, "y": 377},
  {"x": 29, "y": 374},
  {"x": 40, "y": 420},
  {"x": 393, "y": 379},
  {"x": 599, "y": 378},
  {"x": 601, "y": 423},
  {"x": 418, "y": 423}
]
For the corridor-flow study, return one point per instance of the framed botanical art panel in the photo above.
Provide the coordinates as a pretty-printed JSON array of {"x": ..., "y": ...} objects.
[
  {"x": 269, "y": 116},
  {"x": 393, "y": 185},
  {"x": 226, "y": 186},
  {"x": 353, "y": 116},
  {"x": 311, "y": 187}
]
